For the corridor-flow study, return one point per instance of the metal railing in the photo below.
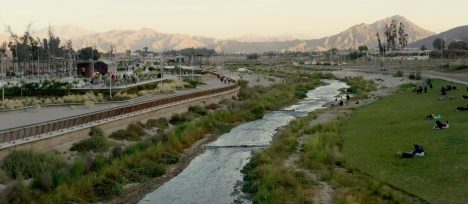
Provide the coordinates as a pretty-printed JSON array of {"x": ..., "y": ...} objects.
[{"x": 23, "y": 132}]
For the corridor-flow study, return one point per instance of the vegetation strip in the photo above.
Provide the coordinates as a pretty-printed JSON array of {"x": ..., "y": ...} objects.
[
  {"x": 268, "y": 178},
  {"x": 101, "y": 176}
]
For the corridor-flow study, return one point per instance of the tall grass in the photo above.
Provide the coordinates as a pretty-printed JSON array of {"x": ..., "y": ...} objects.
[
  {"x": 360, "y": 87},
  {"x": 148, "y": 158}
]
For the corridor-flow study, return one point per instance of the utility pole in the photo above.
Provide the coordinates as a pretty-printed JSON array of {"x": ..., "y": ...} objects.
[{"x": 3, "y": 80}]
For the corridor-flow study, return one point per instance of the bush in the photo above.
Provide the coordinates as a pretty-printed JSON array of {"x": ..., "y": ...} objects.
[
  {"x": 398, "y": 73},
  {"x": 149, "y": 169},
  {"x": 257, "y": 112},
  {"x": 107, "y": 188},
  {"x": 4, "y": 179},
  {"x": 18, "y": 193},
  {"x": 191, "y": 83},
  {"x": 359, "y": 86},
  {"x": 117, "y": 151},
  {"x": 29, "y": 163},
  {"x": 198, "y": 110},
  {"x": 212, "y": 106},
  {"x": 78, "y": 168},
  {"x": 167, "y": 158},
  {"x": 160, "y": 123},
  {"x": 137, "y": 128},
  {"x": 97, "y": 143},
  {"x": 125, "y": 135},
  {"x": 177, "y": 119}
]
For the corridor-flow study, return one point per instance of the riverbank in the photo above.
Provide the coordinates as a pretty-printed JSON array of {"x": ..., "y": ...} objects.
[
  {"x": 311, "y": 168},
  {"x": 214, "y": 176}
]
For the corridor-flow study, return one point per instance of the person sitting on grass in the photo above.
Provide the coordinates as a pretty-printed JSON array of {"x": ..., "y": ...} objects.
[
  {"x": 417, "y": 152},
  {"x": 439, "y": 125},
  {"x": 462, "y": 108}
]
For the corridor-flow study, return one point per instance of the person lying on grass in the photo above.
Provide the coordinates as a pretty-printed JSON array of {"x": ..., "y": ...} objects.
[
  {"x": 417, "y": 152},
  {"x": 433, "y": 116},
  {"x": 439, "y": 125}
]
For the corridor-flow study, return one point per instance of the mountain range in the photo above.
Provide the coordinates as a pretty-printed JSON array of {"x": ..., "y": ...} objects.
[
  {"x": 351, "y": 38},
  {"x": 454, "y": 34}
]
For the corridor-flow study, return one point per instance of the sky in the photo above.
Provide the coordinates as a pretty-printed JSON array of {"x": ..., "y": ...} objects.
[{"x": 230, "y": 18}]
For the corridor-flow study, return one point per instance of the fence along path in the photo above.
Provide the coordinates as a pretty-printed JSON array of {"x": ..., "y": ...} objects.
[{"x": 23, "y": 132}]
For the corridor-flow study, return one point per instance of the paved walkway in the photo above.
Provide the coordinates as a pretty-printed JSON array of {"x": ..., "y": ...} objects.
[{"x": 12, "y": 119}]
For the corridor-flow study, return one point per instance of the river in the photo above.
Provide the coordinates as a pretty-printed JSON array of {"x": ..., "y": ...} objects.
[{"x": 214, "y": 176}]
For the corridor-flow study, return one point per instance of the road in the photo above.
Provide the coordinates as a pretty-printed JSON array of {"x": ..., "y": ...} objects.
[{"x": 13, "y": 119}]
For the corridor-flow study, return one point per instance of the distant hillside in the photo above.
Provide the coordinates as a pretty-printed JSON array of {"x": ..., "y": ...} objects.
[
  {"x": 458, "y": 33},
  {"x": 352, "y": 38},
  {"x": 362, "y": 34},
  {"x": 146, "y": 37}
]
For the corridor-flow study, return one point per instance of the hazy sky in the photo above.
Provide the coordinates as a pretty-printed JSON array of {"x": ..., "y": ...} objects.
[{"x": 231, "y": 18}]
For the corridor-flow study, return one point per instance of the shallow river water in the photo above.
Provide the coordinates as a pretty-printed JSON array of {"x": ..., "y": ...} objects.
[{"x": 214, "y": 176}]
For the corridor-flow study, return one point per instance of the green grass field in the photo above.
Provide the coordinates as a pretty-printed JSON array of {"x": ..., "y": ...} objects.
[{"x": 375, "y": 133}]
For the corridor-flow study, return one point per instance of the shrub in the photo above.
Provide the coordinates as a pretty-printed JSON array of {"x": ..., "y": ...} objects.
[
  {"x": 398, "y": 73},
  {"x": 124, "y": 135},
  {"x": 18, "y": 193},
  {"x": 167, "y": 158},
  {"x": 117, "y": 151},
  {"x": 415, "y": 76},
  {"x": 4, "y": 179},
  {"x": 78, "y": 168},
  {"x": 89, "y": 104},
  {"x": 257, "y": 112},
  {"x": 107, "y": 188},
  {"x": 149, "y": 169},
  {"x": 97, "y": 143},
  {"x": 137, "y": 128},
  {"x": 98, "y": 163},
  {"x": 160, "y": 123},
  {"x": 198, "y": 110},
  {"x": 177, "y": 119},
  {"x": 212, "y": 106},
  {"x": 191, "y": 83},
  {"x": 29, "y": 163}
]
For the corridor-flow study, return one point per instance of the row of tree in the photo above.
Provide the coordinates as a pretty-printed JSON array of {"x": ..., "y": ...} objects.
[
  {"x": 395, "y": 37},
  {"x": 26, "y": 47},
  {"x": 440, "y": 44}
]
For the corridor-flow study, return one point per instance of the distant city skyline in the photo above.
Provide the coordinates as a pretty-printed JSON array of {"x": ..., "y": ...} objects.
[{"x": 231, "y": 19}]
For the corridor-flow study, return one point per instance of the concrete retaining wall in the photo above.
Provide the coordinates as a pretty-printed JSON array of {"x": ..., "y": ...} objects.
[{"x": 49, "y": 142}]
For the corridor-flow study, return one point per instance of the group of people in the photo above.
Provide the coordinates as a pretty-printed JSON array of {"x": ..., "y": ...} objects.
[
  {"x": 423, "y": 88},
  {"x": 439, "y": 125},
  {"x": 348, "y": 97}
]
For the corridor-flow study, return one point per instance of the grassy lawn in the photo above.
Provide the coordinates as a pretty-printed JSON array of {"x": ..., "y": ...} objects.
[{"x": 375, "y": 133}]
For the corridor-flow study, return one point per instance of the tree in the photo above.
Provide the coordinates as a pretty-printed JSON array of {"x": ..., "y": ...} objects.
[
  {"x": 438, "y": 44},
  {"x": 457, "y": 45},
  {"x": 88, "y": 53},
  {"x": 402, "y": 36},
  {"x": 253, "y": 56},
  {"x": 381, "y": 50},
  {"x": 363, "y": 48},
  {"x": 423, "y": 48},
  {"x": 391, "y": 35}
]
